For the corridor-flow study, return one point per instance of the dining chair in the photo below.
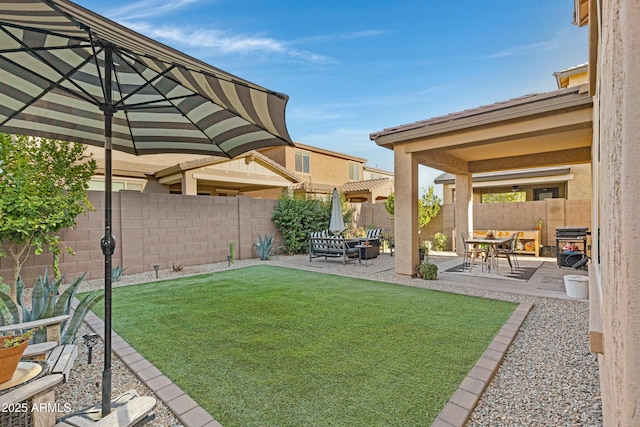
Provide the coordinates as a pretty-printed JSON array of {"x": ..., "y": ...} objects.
[
  {"x": 507, "y": 250},
  {"x": 470, "y": 252}
]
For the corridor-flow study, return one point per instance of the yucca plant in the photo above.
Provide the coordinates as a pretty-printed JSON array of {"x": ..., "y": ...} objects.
[
  {"x": 264, "y": 247},
  {"x": 117, "y": 272},
  {"x": 47, "y": 302}
]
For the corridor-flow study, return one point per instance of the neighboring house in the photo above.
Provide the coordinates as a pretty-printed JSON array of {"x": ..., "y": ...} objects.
[
  {"x": 322, "y": 170},
  {"x": 250, "y": 174},
  {"x": 264, "y": 174},
  {"x": 375, "y": 173}
]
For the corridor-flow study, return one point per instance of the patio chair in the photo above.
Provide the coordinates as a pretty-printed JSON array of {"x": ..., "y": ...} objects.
[
  {"x": 508, "y": 251},
  {"x": 470, "y": 252}
]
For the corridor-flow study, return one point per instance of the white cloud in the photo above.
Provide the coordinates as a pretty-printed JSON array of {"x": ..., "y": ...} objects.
[
  {"x": 148, "y": 8},
  {"x": 222, "y": 43},
  {"x": 537, "y": 47}
]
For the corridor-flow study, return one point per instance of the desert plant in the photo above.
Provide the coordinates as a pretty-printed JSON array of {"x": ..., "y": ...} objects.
[
  {"x": 232, "y": 252},
  {"x": 265, "y": 247},
  {"x": 178, "y": 266},
  {"x": 116, "y": 273},
  {"x": 439, "y": 241},
  {"x": 428, "y": 271},
  {"x": 46, "y": 301}
]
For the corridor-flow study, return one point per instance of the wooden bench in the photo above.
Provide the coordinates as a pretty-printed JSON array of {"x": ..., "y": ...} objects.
[
  {"x": 59, "y": 358},
  {"x": 331, "y": 247},
  {"x": 127, "y": 409},
  {"x": 37, "y": 394}
]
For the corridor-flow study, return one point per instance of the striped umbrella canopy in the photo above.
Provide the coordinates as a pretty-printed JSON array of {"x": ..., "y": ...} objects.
[
  {"x": 70, "y": 74},
  {"x": 336, "y": 222}
]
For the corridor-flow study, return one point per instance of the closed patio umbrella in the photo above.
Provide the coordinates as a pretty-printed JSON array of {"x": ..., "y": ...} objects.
[
  {"x": 70, "y": 74},
  {"x": 336, "y": 223}
]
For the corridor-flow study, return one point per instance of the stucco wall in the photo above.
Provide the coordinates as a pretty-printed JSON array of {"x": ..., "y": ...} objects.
[{"x": 619, "y": 198}]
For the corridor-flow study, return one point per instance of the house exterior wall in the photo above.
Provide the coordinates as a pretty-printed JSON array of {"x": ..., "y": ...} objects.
[
  {"x": 579, "y": 188},
  {"x": 324, "y": 168},
  {"x": 617, "y": 276}
]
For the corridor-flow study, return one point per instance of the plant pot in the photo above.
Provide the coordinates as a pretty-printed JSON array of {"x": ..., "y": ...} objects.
[{"x": 9, "y": 359}]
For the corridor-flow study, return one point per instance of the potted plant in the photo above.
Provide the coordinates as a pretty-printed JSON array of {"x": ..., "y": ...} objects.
[
  {"x": 11, "y": 350},
  {"x": 539, "y": 223},
  {"x": 428, "y": 271}
]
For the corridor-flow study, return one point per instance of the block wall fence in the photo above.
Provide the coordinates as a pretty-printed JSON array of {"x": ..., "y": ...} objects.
[
  {"x": 516, "y": 216},
  {"x": 163, "y": 229}
]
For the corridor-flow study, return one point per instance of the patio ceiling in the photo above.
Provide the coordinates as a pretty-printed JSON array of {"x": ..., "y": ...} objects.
[{"x": 539, "y": 130}]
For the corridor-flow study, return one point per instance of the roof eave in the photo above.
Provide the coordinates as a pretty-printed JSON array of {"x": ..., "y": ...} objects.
[{"x": 577, "y": 97}]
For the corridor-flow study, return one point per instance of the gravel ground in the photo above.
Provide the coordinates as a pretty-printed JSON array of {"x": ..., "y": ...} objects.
[{"x": 548, "y": 377}]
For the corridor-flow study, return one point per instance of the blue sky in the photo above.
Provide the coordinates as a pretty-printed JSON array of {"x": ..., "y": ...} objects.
[{"x": 354, "y": 67}]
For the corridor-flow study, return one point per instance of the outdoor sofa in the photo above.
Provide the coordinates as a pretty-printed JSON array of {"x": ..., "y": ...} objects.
[{"x": 322, "y": 244}]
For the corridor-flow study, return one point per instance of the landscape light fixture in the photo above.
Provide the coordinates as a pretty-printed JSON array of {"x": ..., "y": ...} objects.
[
  {"x": 90, "y": 341},
  {"x": 156, "y": 268}
]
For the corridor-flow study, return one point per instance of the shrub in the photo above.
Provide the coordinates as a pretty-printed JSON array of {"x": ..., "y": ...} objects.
[
  {"x": 439, "y": 242},
  {"x": 428, "y": 271},
  {"x": 296, "y": 217}
]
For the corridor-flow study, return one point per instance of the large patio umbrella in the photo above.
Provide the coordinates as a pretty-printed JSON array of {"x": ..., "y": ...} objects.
[
  {"x": 70, "y": 74},
  {"x": 336, "y": 222}
]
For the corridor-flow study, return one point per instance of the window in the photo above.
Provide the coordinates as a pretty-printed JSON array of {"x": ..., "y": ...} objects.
[
  {"x": 302, "y": 162},
  {"x": 97, "y": 184},
  {"x": 545, "y": 193},
  {"x": 518, "y": 196},
  {"x": 354, "y": 171}
]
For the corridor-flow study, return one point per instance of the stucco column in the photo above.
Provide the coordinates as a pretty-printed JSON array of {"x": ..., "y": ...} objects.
[
  {"x": 189, "y": 184},
  {"x": 463, "y": 209},
  {"x": 406, "y": 211},
  {"x": 619, "y": 198}
]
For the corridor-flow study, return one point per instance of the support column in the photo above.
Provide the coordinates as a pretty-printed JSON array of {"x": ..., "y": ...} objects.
[
  {"x": 406, "y": 212},
  {"x": 189, "y": 184},
  {"x": 463, "y": 209}
]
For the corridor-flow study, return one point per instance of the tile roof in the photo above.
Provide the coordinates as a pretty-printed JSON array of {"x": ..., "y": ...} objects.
[
  {"x": 367, "y": 185},
  {"x": 502, "y": 105}
]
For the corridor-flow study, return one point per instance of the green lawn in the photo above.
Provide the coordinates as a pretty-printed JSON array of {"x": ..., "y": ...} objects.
[{"x": 269, "y": 346}]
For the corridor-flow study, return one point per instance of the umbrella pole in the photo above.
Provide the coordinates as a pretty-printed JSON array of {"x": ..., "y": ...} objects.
[{"x": 108, "y": 242}]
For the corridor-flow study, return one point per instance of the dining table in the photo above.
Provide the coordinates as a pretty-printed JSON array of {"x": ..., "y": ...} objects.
[{"x": 490, "y": 259}]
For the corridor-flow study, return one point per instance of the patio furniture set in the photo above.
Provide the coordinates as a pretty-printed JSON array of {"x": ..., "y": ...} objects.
[
  {"x": 324, "y": 244},
  {"x": 489, "y": 249}
]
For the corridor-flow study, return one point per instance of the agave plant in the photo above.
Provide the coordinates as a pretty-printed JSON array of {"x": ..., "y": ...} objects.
[
  {"x": 46, "y": 301},
  {"x": 264, "y": 247}
]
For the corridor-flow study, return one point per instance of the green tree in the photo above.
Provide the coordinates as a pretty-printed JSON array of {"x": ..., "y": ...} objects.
[
  {"x": 519, "y": 196},
  {"x": 43, "y": 188},
  {"x": 428, "y": 206}
]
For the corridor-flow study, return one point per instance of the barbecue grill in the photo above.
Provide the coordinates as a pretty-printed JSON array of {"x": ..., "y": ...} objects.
[{"x": 570, "y": 236}]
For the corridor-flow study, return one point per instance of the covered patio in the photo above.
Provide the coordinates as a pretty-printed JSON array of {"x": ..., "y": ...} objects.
[{"x": 539, "y": 130}]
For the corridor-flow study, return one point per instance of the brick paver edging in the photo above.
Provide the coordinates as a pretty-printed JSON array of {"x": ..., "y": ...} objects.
[
  {"x": 459, "y": 408},
  {"x": 180, "y": 403}
]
